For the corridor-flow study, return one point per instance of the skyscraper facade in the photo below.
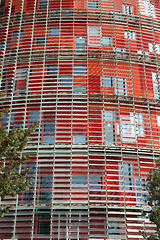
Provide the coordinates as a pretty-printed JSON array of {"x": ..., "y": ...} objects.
[{"x": 88, "y": 71}]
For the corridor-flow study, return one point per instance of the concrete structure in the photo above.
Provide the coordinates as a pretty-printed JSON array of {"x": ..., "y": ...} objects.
[{"x": 89, "y": 72}]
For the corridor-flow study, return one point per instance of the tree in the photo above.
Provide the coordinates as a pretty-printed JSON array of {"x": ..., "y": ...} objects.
[
  {"x": 13, "y": 180},
  {"x": 153, "y": 187}
]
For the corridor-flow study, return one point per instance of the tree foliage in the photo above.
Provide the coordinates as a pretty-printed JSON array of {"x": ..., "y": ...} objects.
[
  {"x": 13, "y": 180},
  {"x": 153, "y": 187}
]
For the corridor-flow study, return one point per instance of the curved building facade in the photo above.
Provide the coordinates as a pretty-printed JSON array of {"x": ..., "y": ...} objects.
[{"x": 89, "y": 72}]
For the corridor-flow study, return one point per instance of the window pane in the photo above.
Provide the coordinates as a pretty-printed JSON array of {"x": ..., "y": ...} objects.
[
  {"x": 80, "y": 70},
  {"x": 44, "y": 215},
  {"x": 12, "y": 117},
  {"x": 54, "y": 31},
  {"x": 66, "y": 80},
  {"x": 107, "y": 41},
  {"x": 92, "y": 4},
  {"x": 95, "y": 182},
  {"x": 127, "y": 172},
  {"x": 79, "y": 181},
  {"x": 34, "y": 116},
  {"x": 31, "y": 165},
  {"x": 49, "y": 127},
  {"x": 9, "y": 88},
  {"x": 109, "y": 116},
  {"x": 79, "y": 139},
  {"x": 52, "y": 70},
  {"x": 109, "y": 134},
  {"x": 80, "y": 43},
  {"x": 45, "y": 196},
  {"x": 158, "y": 120},
  {"x": 28, "y": 196},
  {"x": 15, "y": 34},
  {"x": 128, "y": 10},
  {"x": 114, "y": 228},
  {"x": 48, "y": 139},
  {"x": 43, "y": 4},
  {"x": 46, "y": 182},
  {"x": 43, "y": 227},
  {"x": 121, "y": 86},
  {"x": 79, "y": 89},
  {"x": 5, "y": 118},
  {"x": 128, "y": 169},
  {"x": 40, "y": 40},
  {"x": 94, "y": 31},
  {"x": 107, "y": 81}
]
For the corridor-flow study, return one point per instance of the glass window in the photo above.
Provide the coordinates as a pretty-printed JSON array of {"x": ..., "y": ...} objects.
[
  {"x": 109, "y": 127},
  {"x": 139, "y": 124},
  {"x": 80, "y": 43},
  {"x": 80, "y": 69},
  {"x": 94, "y": 37},
  {"x": 109, "y": 116},
  {"x": 126, "y": 170},
  {"x": 79, "y": 181},
  {"x": 43, "y": 227},
  {"x": 120, "y": 52},
  {"x": 92, "y": 4},
  {"x": 49, "y": 127},
  {"x": 16, "y": 34},
  {"x": 114, "y": 228},
  {"x": 151, "y": 48},
  {"x": 66, "y": 80},
  {"x": 52, "y": 70},
  {"x": 109, "y": 134},
  {"x": 2, "y": 45},
  {"x": 45, "y": 196},
  {"x": 107, "y": 81},
  {"x": 32, "y": 180},
  {"x": 128, "y": 9},
  {"x": 54, "y": 31},
  {"x": 121, "y": 86},
  {"x": 130, "y": 34},
  {"x": 155, "y": 85},
  {"x": 9, "y": 88},
  {"x": 46, "y": 182},
  {"x": 142, "y": 193},
  {"x": 94, "y": 31},
  {"x": 79, "y": 89},
  {"x": 95, "y": 182},
  {"x": 28, "y": 196},
  {"x": 2, "y": 4},
  {"x": 44, "y": 215},
  {"x": 158, "y": 120},
  {"x": 147, "y": 8},
  {"x": 8, "y": 44},
  {"x": 5, "y": 118},
  {"x": 3, "y": 83},
  {"x": 40, "y": 40},
  {"x": 43, "y": 4},
  {"x": 34, "y": 116},
  {"x": 20, "y": 81},
  {"x": 79, "y": 139},
  {"x": 48, "y": 139},
  {"x": 12, "y": 117},
  {"x": 107, "y": 41},
  {"x": 127, "y": 128},
  {"x": 31, "y": 165},
  {"x": 21, "y": 33}
]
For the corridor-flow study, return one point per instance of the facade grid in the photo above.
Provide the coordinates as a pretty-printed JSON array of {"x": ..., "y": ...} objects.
[{"x": 88, "y": 71}]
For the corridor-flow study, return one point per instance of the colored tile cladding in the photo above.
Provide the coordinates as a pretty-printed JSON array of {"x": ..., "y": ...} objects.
[{"x": 89, "y": 72}]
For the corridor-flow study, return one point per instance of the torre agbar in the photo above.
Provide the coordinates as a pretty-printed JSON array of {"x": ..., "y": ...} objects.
[{"x": 88, "y": 71}]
